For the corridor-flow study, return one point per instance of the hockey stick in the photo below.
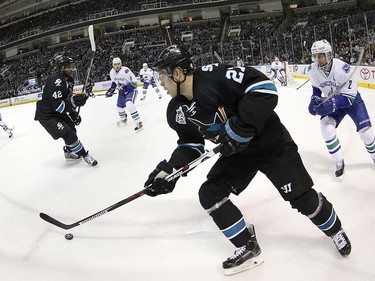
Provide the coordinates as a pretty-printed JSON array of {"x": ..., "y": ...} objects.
[
  {"x": 183, "y": 170},
  {"x": 331, "y": 95},
  {"x": 304, "y": 83},
  {"x": 93, "y": 50}
]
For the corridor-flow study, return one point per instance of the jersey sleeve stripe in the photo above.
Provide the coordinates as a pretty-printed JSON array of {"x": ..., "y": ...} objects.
[
  {"x": 196, "y": 146},
  {"x": 61, "y": 107},
  {"x": 263, "y": 87}
]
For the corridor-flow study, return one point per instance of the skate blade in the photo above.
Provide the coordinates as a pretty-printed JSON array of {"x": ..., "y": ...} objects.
[
  {"x": 251, "y": 263},
  {"x": 137, "y": 131},
  {"x": 121, "y": 124},
  {"x": 341, "y": 178}
]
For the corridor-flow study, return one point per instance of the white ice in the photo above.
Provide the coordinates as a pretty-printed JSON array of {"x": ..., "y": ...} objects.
[{"x": 170, "y": 237}]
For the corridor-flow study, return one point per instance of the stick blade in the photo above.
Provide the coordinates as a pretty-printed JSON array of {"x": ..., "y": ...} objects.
[
  {"x": 92, "y": 38},
  {"x": 53, "y": 221}
]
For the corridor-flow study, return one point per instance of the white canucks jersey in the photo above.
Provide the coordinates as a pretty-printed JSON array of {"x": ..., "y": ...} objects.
[
  {"x": 122, "y": 77},
  {"x": 146, "y": 75},
  {"x": 277, "y": 65},
  {"x": 329, "y": 82}
]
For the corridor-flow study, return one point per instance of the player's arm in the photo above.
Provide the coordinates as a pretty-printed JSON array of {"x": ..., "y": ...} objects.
[
  {"x": 183, "y": 154},
  {"x": 111, "y": 90},
  {"x": 131, "y": 85},
  {"x": 257, "y": 97},
  {"x": 141, "y": 78}
]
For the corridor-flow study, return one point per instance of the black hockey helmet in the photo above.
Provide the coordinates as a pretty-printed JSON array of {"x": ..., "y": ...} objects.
[
  {"x": 172, "y": 57},
  {"x": 63, "y": 61}
]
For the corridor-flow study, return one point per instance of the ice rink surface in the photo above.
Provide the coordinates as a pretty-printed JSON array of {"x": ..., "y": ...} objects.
[{"x": 170, "y": 237}]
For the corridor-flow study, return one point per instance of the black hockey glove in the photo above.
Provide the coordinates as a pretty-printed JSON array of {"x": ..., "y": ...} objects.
[
  {"x": 79, "y": 99},
  {"x": 110, "y": 92},
  {"x": 156, "y": 183},
  {"x": 232, "y": 140},
  {"x": 75, "y": 117}
]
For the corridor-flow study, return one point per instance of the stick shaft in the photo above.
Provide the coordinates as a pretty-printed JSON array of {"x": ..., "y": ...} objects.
[
  {"x": 304, "y": 83},
  {"x": 183, "y": 170}
]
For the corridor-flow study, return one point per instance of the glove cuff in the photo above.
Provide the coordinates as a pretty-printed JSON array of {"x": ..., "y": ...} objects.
[
  {"x": 165, "y": 167},
  {"x": 72, "y": 102},
  {"x": 235, "y": 133}
]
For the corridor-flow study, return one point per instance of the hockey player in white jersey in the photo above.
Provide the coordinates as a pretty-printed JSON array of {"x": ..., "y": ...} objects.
[
  {"x": 124, "y": 79},
  {"x": 327, "y": 75},
  {"x": 278, "y": 71},
  {"x": 239, "y": 62},
  {"x": 6, "y": 129},
  {"x": 147, "y": 77}
]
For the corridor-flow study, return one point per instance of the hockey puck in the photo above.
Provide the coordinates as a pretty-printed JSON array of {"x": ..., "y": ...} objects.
[{"x": 69, "y": 236}]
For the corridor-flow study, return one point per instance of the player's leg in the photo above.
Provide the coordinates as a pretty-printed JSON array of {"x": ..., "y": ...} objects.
[
  {"x": 359, "y": 115},
  {"x": 121, "y": 104},
  {"x": 273, "y": 75},
  {"x": 155, "y": 87},
  {"x": 294, "y": 184},
  {"x": 282, "y": 78},
  {"x": 129, "y": 101},
  {"x": 65, "y": 129},
  {"x": 226, "y": 177},
  {"x": 144, "y": 90},
  {"x": 6, "y": 128},
  {"x": 328, "y": 127}
]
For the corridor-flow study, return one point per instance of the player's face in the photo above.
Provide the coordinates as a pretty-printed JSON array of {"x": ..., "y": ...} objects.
[
  {"x": 167, "y": 83},
  {"x": 117, "y": 66},
  {"x": 69, "y": 70},
  {"x": 320, "y": 59}
]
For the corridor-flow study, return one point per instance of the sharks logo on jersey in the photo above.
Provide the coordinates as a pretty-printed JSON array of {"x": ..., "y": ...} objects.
[
  {"x": 211, "y": 130},
  {"x": 208, "y": 130}
]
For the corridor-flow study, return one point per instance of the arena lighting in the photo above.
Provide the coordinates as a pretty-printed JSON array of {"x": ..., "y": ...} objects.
[{"x": 293, "y": 6}]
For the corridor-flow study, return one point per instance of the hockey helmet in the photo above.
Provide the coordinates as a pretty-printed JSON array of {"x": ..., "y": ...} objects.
[
  {"x": 145, "y": 65},
  {"x": 321, "y": 47},
  {"x": 172, "y": 57},
  {"x": 63, "y": 62},
  {"x": 116, "y": 63},
  {"x": 65, "y": 65}
]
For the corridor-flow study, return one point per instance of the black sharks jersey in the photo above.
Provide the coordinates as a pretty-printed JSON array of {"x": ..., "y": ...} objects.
[
  {"x": 221, "y": 92},
  {"x": 55, "y": 98}
]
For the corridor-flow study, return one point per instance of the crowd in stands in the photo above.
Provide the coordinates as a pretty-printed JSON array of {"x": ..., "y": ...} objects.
[{"x": 258, "y": 41}]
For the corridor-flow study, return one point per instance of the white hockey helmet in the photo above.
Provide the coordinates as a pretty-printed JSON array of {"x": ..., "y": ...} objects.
[
  {"x": 145, "y": 65},
  {"x": 277, "y": 59},
  {"x": 116, "y": 63},
  {"x": 322, "y": 47}
]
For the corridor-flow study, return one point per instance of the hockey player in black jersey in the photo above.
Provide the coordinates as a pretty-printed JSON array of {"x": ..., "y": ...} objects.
[
  {"x": 234, "y": 106},
  {"x": 57, "y": 113}
]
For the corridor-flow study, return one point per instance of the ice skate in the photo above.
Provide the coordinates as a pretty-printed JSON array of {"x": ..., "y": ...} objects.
[
  {"x": 70, "y": 156},
  {"x": 8, "y": 130},
  {"x": 340, "y": 169},
  {"x": 90, "y": 160},
  {"x": 123, "y": 120},
  {"x": 342, "y": 243},
  {"x": 139, "y": 127},
  {"x": 143, "y": 97},
  {"x": 245, "y": 257},
  {"x": 159, "y": 97}
]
